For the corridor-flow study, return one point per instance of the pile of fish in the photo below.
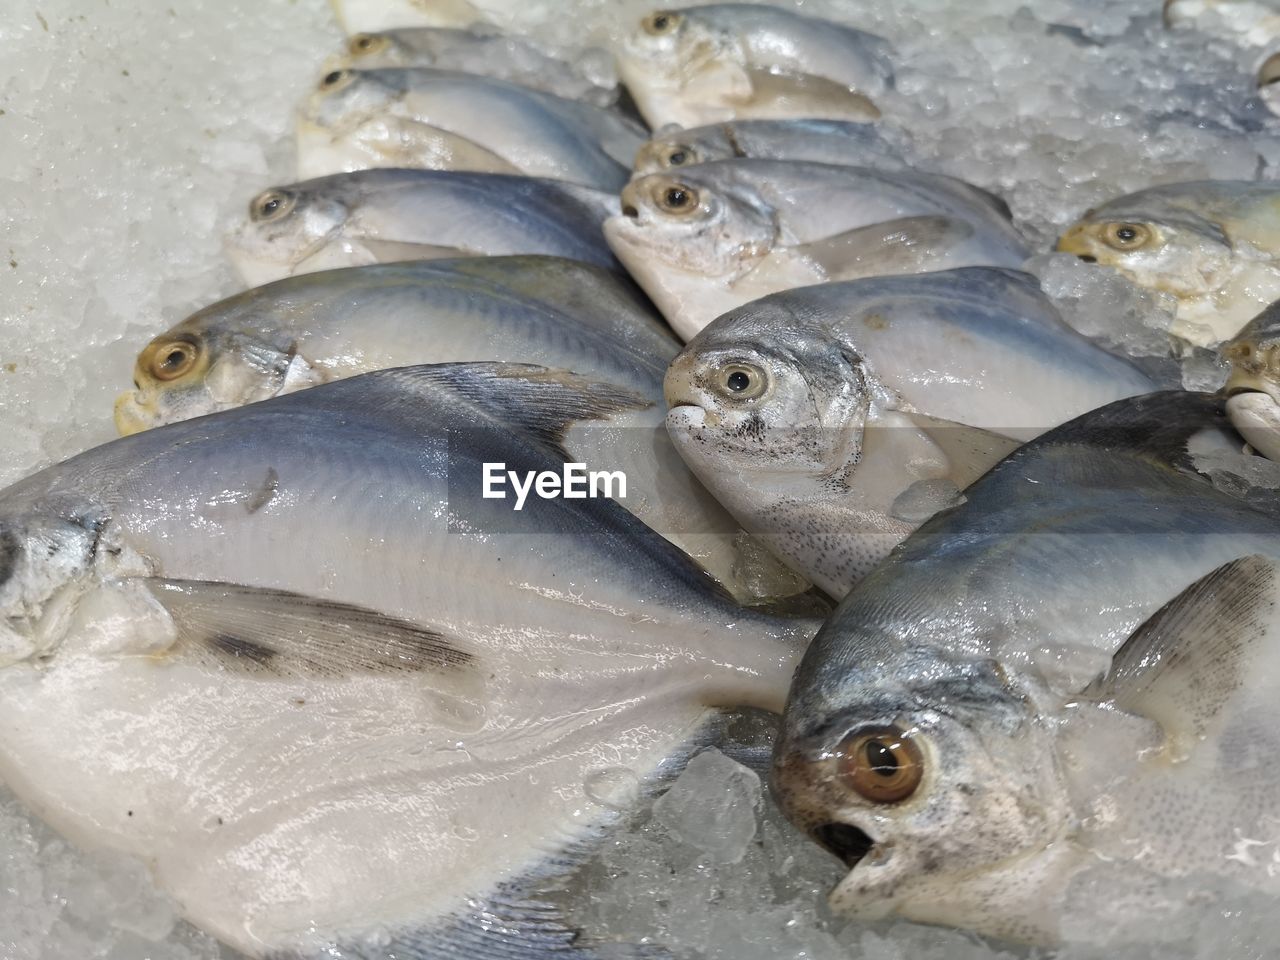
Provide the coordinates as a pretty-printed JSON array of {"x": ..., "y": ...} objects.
[{"x": 330, "y": 642}]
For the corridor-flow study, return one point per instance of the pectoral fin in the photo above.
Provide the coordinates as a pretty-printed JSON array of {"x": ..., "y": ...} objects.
[
  {"x": 905, "y": 245},
  {"x": 282, "y": 634},
  {"x": 970, "y": 451},
  {"x": 1181, "y": 666},
  {"x": 787, "y": 95},
  {"x": 391, "y": 251}
]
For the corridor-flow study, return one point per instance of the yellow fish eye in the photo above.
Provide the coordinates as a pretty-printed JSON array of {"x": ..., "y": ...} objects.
[
  {"x": 1125, "y": 236},
  {"x": 167, "y": 360},
  {"x": 363, "y": 43},
  {"x": 680, "y": 156},
  {"x": 660, "y": 22},
  {"x": 676, "y": 198},
  {"x": 881, "y": 764},
  {"x": 270, "y": 205}
]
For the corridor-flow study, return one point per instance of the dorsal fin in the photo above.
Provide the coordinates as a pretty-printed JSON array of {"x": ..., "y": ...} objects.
[
  {"x": 1155, "y": 426},
  {"x": 543, "y": 402}
]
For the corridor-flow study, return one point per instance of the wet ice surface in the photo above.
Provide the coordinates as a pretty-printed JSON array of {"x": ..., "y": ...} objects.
[{"x": 133, "y": 132}]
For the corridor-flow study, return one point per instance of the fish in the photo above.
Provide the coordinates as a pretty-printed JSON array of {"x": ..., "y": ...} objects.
[
  {"x": 715, "y": 236},
  {"x": 365, "y": 16},
  {"x": 291, "y": 658},
  {"x": 1212, "y": 244},
  {"x": 1267, "y": 74},
  {"x": 448, "y": 120},
  {"x": 320, "y": 327},
  {"x": 816, "y": 141},
  {"x": 1253, "y": 382},
  {"x": 726, "y": 61},
  {"x": 928, "y": 736},
  {"x": 482, "y": 49},
  {"x": 818, "y": 415},
  {"x": 381, "y": 216}
]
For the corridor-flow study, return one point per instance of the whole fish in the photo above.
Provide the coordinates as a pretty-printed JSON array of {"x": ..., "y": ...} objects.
[
  {"x": 728, "y": 61},
  {"x": 1213, "y": 244},
  {"x": 938, "y": 733},
  {"x": 381, "y": 216},
  {"x": 817, "y": 141},
  {"x": 358, "y": 16},
  {"x": 816, "y": 416},
  {"x": 713, "y": 237},
  {"x": 1253, "y": 384},
  {"x": 292, "y": 658},
  {"x": 585, "y": 75},
  {"x": 447, "y": 120},
  {"x": 312, "y": 329}
]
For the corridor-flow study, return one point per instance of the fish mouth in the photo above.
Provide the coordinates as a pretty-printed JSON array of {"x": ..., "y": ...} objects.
[{"x": 850, "y": 844}]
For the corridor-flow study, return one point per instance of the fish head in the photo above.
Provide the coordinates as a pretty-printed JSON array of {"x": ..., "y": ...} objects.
[
  {"x": 673, "y": 148},
  {"x": 676, "y": 232},
  {"x": 743, "y": 402},
  {"x": 344, "y": 98},
  {"x": 287, "y": 229},
  {"x": 668, "y": 54},
  {"x": 935, "y": 782},
  {"x": 1171, "y": 250},
  {"x": 49, "y": 548},
  {"x": 1254, "y": 356},
  {"x": 224, "y": 356}
]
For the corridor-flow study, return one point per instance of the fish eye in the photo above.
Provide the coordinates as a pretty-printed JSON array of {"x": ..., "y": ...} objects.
[
  {"x": 1269, "y": 72},
  {"x": 680, "y": 156},
  {"x": 171, "y": 359},
  {"x": 361, "y": 43},
  {"x": 740, "y": 381},
  {"x": 334, "y": 79},
  {"x": 882, "y": 764},
  {"x": 676, "y": 198},
  {"x": 1125, "y": 236},
  {"x": 661, "y": 22},
  {"x": 270, "y": 205}
]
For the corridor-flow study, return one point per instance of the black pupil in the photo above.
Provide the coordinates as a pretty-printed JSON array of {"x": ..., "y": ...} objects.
[
  {"x": 270, "y": 206},
  {"x": 738, "y": 381},
  {"x": 676, "y": 158},
  {"x": 332, "y": 78},
  {"x": 660, "y": 23},
  {"x": 677, "y": 197},
  {"x": 364, "y": 43},
  {"x": 1127, "y": 233},
  {"x": 174, "y": 359},
  {"x": 881, "y": 759}
]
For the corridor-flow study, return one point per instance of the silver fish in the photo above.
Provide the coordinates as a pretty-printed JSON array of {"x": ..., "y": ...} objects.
[
  {"x": 816, "y": 414},
  {"x": 447, "y": 120},
  {"x": 713, "y": 237},
  {"x": 320, "y": 327},
  {"x": 937, "y": 736},
  {"x": 576, "y": 75},
  {"x": 816, "y": 141},
  {"x": 708, "y": 64},
  {"x": 380, "y": 216},
  {"x": 1212, "y": 244},
  {"x": 1253, "y": 384},
  {"x": 275, "y": 650}
]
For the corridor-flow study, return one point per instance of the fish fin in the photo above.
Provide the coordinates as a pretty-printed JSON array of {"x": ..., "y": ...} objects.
[
  {"x": 542, "y": 401},
  {"x": 787, "y": 95},
  {"x": 1180, "y": 667},
  {"x": 1155, "y": 426},
  {"x": 884, "y": 248},
  {"x": 391, "y": 251},
  {"x": 971, "y": 451},
  {"x": 278, "y": 633}
]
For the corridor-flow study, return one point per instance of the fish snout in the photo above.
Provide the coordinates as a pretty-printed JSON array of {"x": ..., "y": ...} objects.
[
  {"x": 1076, "y": 241},
  {"x": 133, "y": 414},
  {"x": 1254, "y": 369},
  {"x": 630, "y": 201}
]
